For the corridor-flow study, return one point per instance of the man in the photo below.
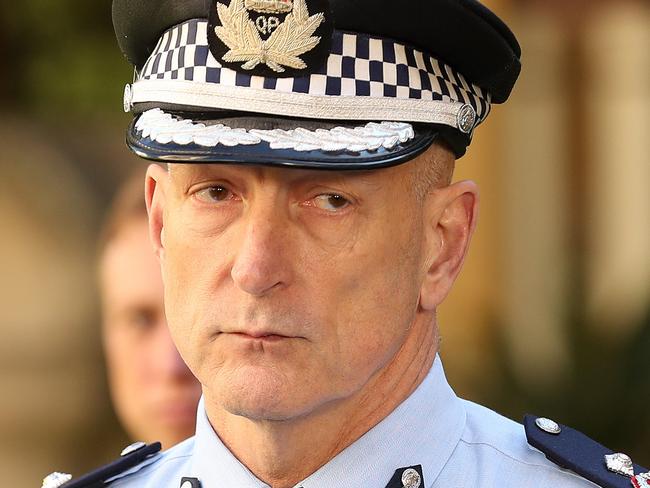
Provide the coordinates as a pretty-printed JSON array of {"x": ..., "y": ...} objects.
[
  {"x": 306, "y": 245},
  {"x": 153, "y": 391}
]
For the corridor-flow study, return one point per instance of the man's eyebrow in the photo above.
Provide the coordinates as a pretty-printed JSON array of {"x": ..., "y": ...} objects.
[
  {"x": 364, "y": 178},
  {"x": 185, "y": 173}
]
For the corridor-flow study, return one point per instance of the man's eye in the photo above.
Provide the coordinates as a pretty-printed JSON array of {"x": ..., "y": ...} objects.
[
  {"x": 215, "y": 193},
  {"x": 331, "y": 202}
]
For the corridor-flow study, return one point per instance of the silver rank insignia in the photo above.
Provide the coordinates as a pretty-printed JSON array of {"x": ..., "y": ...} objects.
[
  {"x": 641, "y": 480},
  {"x": 622, "y": 464},
  {"x": 619, "y": 463},
  {"x": 270, "y": 37}
]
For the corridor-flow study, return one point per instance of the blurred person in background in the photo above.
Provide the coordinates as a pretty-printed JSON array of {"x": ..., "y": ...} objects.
[{"x": 154, "y": 393}]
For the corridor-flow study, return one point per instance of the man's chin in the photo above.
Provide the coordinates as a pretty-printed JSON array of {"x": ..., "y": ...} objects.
[
  {"x": 264, "y": 407},
  {"x": 263, "y": 413},
  {"x": 263, "y": 396}
]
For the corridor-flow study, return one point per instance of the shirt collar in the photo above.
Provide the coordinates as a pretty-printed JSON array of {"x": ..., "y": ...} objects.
[
  {"x": 212, "y": 463},
  {"x": 424, "y": 429}
]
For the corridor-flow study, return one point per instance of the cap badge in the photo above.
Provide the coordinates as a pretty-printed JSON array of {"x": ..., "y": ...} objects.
[{"x": 269, "y": 37}]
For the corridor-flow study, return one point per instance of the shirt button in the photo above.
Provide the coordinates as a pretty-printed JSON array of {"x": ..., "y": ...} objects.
[
  {"x": 548, "y": 425},
  {"x": 56, "y": 479},
  {"x": 411, "y": 478},
  {"x": 136, "y": 446}
]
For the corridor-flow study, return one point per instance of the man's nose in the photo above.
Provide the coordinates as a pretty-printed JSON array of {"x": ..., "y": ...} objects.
[{"x": 260, "y": 263}]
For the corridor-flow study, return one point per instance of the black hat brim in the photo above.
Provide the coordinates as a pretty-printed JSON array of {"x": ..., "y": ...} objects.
[{"x": 263, "y": 154}]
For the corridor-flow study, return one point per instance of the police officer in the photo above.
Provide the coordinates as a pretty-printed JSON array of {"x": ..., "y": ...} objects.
[{"x": 307, "y": 230}]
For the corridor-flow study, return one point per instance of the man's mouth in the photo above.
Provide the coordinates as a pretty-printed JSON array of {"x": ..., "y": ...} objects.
[{"x": 261, "y": 336}]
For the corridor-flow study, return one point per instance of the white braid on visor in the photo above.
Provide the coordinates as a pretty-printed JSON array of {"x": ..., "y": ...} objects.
[{"x": 164, "y": 128}]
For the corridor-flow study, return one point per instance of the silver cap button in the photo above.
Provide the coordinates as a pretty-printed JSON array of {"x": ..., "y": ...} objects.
[{"x": 466, "y": 119}]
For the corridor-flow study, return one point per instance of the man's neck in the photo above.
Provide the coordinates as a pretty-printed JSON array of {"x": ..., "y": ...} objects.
[{"x": 282, "y": 453}]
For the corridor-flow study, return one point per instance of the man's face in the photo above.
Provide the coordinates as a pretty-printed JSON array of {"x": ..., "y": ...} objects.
[
  {"x": 288, "y": 289},
  {"x": 154, "y": 393}
]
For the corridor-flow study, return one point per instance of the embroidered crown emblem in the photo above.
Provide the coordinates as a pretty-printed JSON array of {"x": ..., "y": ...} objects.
[
  {"x": 269, "y": 6},
  {"x": 285, "y": 41}
]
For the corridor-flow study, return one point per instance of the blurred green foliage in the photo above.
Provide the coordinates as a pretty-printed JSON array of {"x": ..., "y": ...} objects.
[{"x": 61, "y": 59}]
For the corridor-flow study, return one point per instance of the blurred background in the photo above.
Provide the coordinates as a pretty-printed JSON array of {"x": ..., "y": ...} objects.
[{"x": 551, "y": 314}]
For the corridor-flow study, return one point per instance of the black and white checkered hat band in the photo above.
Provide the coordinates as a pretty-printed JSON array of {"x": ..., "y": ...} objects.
[{"x": 364, "y": 78}]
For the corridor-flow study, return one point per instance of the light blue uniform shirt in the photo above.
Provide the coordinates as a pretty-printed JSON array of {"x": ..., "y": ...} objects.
[{"x": 458, "y": 444}]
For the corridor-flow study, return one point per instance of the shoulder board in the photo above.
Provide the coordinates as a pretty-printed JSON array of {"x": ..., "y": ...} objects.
[
  {"x": 131, "y": 456},
  {"x": 573, "y": 450}
]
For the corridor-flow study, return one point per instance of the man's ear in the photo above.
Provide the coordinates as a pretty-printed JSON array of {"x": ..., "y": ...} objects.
[
  {"x": 450, "y": 220},
  {"x": 154, "y": 191}
]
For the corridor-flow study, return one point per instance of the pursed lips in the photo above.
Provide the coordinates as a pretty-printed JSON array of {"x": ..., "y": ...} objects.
[{"x": 260, "y": 334}]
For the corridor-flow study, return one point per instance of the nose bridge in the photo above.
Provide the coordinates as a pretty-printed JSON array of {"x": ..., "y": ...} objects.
[{"x": 259, "y": 265}]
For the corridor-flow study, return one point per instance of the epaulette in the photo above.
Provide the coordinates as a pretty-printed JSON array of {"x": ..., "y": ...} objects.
[
  {"x": 130, "y": 457},
  {"x": 573, "y": 450}
]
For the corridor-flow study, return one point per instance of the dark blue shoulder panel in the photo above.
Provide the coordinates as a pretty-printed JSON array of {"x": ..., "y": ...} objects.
[
  {"x": 573, "y": 450},
  {"x": 98, "y": 477}
]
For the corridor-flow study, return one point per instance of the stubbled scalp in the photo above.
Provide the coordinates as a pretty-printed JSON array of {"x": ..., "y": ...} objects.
[{"x": 433, "y": 169}]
